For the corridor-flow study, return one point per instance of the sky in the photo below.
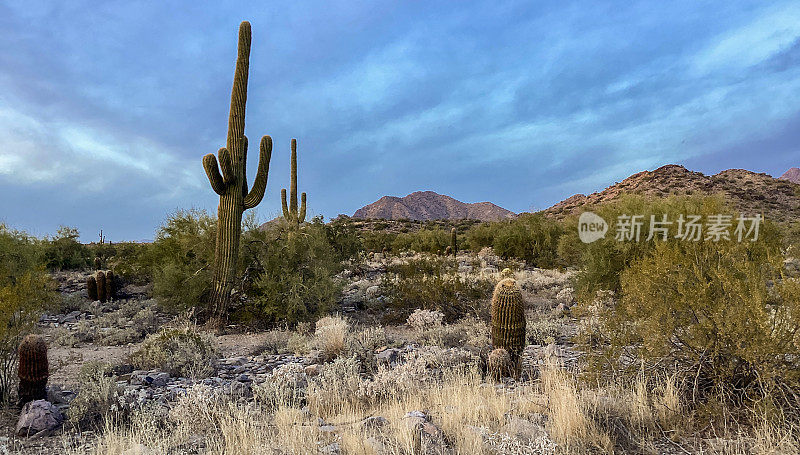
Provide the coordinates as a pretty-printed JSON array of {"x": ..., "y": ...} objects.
[{"x": 107, "y": 108}]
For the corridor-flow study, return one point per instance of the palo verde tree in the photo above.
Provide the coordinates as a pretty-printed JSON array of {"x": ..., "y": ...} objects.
[{"x": 230, "y": 182}]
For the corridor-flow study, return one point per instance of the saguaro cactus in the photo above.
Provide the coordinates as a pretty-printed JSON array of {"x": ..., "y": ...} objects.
[
  {"x": 229, "y": 181},
  {"x": 33, "y": 369},
  {"x": 508, "y": 318},
  {"x": 290, "y": 212},
  {"x": 454, "y": 241}
]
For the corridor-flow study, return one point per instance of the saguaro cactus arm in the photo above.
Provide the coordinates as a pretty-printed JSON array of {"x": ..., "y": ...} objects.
[
  {"x": 212, "y": 171},
  {"x": 256, "y": 193},
  {"x": 285, "y": 207}
]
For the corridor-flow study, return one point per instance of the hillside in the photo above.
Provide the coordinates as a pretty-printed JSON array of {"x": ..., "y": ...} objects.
[
  {"x": 749, "y": 192},
  {"x": 792, "y": 175},
  {"x": 427, "y": 205}
]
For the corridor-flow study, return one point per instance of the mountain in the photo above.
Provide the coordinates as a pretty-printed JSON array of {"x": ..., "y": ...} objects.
[
  {"x": 427, "y": 205},
  {"x": 748, "y": 192},
  {"x": 792, "y": 175}
]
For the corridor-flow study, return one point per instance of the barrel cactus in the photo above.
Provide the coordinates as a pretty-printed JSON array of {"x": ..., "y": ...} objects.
[
  {"x": 100, "y": 277},
  {"x": 499, "y": 364},
  {"x": 228, "y": 179},
  {"x": 111, "y": 286},
  {"x": 290, "y": 212},
  {"x": 33, "y": 369},
  {"x": 91, "y": 288},
  {"x": 508, "y": 319}
]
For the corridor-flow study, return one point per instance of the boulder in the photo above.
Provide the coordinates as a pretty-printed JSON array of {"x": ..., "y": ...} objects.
[{"x": 38, "y": 416}]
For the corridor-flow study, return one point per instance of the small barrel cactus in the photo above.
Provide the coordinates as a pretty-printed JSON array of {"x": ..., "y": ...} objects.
[
  {"x": 101, "y": 286},
  {"x": 508, "y": 318},
  {"x": 97, "y": 263},
  {"x": 499, "y": 364},
  {"x": 111, "y": 290},
  {"x": 91, "y": 288},
  {"x": 33, "y": 369}
]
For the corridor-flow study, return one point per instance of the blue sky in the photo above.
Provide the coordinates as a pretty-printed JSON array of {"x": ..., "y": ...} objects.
[{"x": 106, "y": 111}]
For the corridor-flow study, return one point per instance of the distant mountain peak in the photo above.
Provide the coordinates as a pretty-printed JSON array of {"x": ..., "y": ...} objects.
[
  {"x": 792, "y": 175},
  {"x": 429, "y": 205}
]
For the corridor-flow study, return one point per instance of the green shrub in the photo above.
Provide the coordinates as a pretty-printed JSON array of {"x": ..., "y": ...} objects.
[
  {"x": 65, "y": 252},
  {"x": 97, "y": 396},
  {"x": 180, "y": 352},
  {"x": 377, "y": 241},
  {"x": 718, "y": 311},
  {"x": 531, "y": 237},
  {"x": 481, "y": 236},
  {"x": 344, "y": 238},
  {"x": 25, "y": 291},
  {"x": 431, "y": 283},
  {"x": 603, "y": 261},
  {"x": 131, "y": 261},
  {"x": 427, "y": 240},
  {"x": 181, "y": 259},
  {"x": 289, "y": 274}
]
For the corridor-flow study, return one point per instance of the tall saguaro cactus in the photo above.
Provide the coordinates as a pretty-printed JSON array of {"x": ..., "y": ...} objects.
[
  {"x": 290, "y": 212},
  {"x": 230, "y": 182}
]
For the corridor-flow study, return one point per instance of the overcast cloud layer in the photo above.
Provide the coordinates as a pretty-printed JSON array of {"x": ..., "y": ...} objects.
[{"x": 106, "y": 111}]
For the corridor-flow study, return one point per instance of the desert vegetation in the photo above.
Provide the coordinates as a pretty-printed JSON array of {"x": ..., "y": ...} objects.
[{"x": 299, "y": 336}]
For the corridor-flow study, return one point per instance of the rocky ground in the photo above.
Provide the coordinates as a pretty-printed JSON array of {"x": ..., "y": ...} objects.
[{"x": 109, "y": 332}]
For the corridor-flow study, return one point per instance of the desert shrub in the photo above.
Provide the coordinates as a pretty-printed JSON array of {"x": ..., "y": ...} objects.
[
  {"x": 284, "y": 387},
  {"x": 543, "y": 331},
  {"x": 720, "y": 312},
  {"x": 97, "y": 397},
  {"x": 179, "y": 351},
  {"x": 531, "y": 237},
  {"x": 481, "y": 236},
  {"x": 431, "y": 283},
  {"x": 426, "y": 240},
  {"x": 377, "y": 241},
  {"x": 421, "y": 320},
  {"x": 181, "y": 259},
  {"x": 330, "y": 336},
  {"x": 131, "y": 261},
  {"x": 290, "y": 274},
  {"x": 603, "y": 261},
  {"x": 344, "y": 238},
  {"x": 25, "y": 290},
  {"x": 64, "y": 251}
]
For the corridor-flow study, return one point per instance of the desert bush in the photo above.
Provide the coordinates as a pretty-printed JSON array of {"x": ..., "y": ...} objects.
[
  {"x": 431, "y": 283},
  {"x": 178, "y": 351},
  {"x": 64, "y": 251},
  {"x": 433, "y": 241},
  {"x": 25, "y": 290},
  {"x": 284, "y": 387},
  {"x": 377, "y": 241},
  {"x": 421, "y": 320},
  {"x": 543, "y": 331},
  {"x": 97, "y": 396},
  {"x": 531, "y": 237},
  {"x": 289, "y": 277},
  {"x": 481, "y": 236},
  {"x": 180, "y": 259},
  {"x": 602, "y": 262},
  {"x": 330, "y": 336},
  {"x": 720, "y": 312},
  {"x": 344, "y": 238},
  {"x": 131, "y": 261}
]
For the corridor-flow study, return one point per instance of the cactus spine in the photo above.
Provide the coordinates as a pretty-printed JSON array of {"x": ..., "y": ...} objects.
[
  {"x": 32, "y": 369},
  {"x": 229, "y": 181},
  {"x": 508, "y": 319},
  {"x": 290, "y": 212},
  {"x": 454, "y": 241}
]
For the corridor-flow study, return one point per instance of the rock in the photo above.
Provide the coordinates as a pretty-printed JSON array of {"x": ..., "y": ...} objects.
[
  {"x": 373, "y": 291},
  {"x": 388, "y": 356},
  {"x": 158, "y": 380},
  {"x": 37, "y": 416},
  {"x": 123, "y": 369},
  {"x": 428, "y": 438},
  {"x": 138, "y": 449}
]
